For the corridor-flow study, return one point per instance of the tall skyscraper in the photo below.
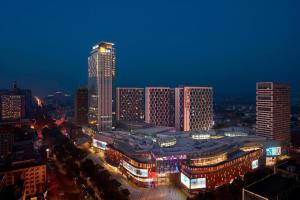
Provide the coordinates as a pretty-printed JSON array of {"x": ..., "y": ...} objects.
[
  {"x": 160, "y": 106},
  {"x": 273, "y": 110},
  {"x": 81, "y": 106},
  {"x": 193, "y": 108},
  {"x": 101, "y": 72},
  {"x": 130, "y": 104}
]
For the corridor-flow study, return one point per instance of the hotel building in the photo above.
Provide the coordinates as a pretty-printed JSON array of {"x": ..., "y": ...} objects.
[
  {"x": 101, "y": 73},
  {"x": 194, "y": 108},
  {"x": 130, "y": 104},
  {"x": 160, "y": 106},
  {"x": 273, "y": 110}
]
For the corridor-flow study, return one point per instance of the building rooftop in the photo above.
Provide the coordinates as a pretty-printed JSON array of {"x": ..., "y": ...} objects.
[
  {"x": 177, "y": 143},
  {"x": 272, "y": 186},
  {"x": 291, "y": 166}
]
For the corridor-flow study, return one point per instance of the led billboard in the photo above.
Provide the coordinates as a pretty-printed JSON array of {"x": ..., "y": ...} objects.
[
  {"x": 185, "y": 180},
  {"x": 254, "y": 164},
  {"x": 198, "y": 183},
  {"x": 135, "y": 171},
  {"x": 273, "y": 151},
  {"x": 99, "y": 144}
]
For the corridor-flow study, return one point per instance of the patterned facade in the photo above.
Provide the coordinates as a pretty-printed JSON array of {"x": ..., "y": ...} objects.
[
  {"x": 12, "y": 107},
  {"x": 273, "y": 110},
  {"x": 130, "y": 104},
  {"x": 15, "y": 103},
  {"x": 160, "y": 106},
  {"x": 101, "y": 73},
  {"x": 194, "y": 108}
]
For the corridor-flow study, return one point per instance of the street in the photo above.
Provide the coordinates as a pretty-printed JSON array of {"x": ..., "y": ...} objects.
[
  {"x": 137, "y": 193},
  {"x": 60, "y": 185}
]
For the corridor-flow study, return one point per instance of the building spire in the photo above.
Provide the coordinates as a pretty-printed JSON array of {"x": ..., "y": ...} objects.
[{"x": 14, "y": 86}]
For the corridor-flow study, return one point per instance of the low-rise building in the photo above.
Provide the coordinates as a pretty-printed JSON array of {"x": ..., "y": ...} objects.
[{"x": 272, "y": 187}]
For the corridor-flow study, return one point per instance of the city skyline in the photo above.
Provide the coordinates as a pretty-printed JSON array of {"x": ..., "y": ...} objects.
[
  {"x": 150, "y": 100},
  {"x": 186, "y": 42}
]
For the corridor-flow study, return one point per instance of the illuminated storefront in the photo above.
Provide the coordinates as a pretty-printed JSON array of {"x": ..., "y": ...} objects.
[
  {"x": 138, "y": 169},
  {"x": 209, "y": 160},
  {"x": 135, "y": 171},
  {"x": 211, "y": 176}
]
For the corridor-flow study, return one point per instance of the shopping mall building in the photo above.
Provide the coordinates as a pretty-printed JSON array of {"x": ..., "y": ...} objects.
[{"x": 199, "y": 160}]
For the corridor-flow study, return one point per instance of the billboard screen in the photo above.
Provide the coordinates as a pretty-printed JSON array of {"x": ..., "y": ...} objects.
[
  {"x": 273, "y": 151},
  {"x": 185, "y": 180},
  {"x": 198, "y": 183},
  {"x": 135, "y": 171},
  {"x": 254, "y": 164},
  {"x": 99, "y": 144}
]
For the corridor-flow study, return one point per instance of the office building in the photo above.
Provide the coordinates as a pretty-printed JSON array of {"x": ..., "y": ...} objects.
[
  {"x": 81, "y": 106},
  {"x": 101, "y": 72},
  {"x": 193, "y": 108},
  {"x": 12, "y": 107},
  {"x": 273, "y": 110},
  {"x": 160, "y": 106},
  {"x": 130, "y": 104},
  {"x": 16, "y": 103}
]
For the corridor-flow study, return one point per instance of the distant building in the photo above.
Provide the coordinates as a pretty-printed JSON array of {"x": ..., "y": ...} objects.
[
  {"x": 13, "y": 107},
  {"x": 16, "y": 103},
  {"x": 101, "y": 73},
  {"x": 58, "y": 99},
  {"x": 160, "y": 106},
  {"x": 193, "y": 108},
  {"x": 81, "y": 106},
  {"x": 130, "y": 104},
  {"x": 273, "y": 110}
]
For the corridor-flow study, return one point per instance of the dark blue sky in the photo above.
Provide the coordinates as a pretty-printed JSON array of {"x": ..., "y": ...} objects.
[{"x": 227, "y": 44}]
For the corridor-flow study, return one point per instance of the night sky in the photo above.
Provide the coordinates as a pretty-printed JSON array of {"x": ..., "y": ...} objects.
[{"x": 226, "y": 44}]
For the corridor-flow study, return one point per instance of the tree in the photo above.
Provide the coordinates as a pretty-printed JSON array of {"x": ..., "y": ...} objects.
[{"x": 88, "y": 168}]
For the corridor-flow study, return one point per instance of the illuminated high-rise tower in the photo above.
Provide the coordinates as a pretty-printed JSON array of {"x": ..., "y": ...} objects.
[{"x": 101, "y": 73}]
